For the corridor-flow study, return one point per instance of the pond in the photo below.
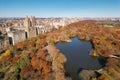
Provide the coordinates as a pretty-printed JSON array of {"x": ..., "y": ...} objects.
[{"x": 77, "y": 53}]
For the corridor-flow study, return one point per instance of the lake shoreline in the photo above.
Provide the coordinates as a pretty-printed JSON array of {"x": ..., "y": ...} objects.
[{"x": 78, "y": 71}]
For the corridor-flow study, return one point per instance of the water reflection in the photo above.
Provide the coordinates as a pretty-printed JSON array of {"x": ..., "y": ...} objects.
[{"x": 78, "y": 58}]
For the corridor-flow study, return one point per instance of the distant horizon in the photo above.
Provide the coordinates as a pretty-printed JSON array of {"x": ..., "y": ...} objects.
[
  {"x": 60, "y": 8},
  {"x": 58, "y": 17},
  {"x": 53, "y": 17}
]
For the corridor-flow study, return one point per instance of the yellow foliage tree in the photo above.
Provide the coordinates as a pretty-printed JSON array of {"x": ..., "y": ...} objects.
[{"x": 7, "y": 53}]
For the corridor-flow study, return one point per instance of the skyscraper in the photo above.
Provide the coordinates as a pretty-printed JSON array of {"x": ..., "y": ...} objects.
[{"x": 30, "y": 29}]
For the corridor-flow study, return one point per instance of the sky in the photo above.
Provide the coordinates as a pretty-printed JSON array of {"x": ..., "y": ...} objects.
[{"x": 60, "y": 8}]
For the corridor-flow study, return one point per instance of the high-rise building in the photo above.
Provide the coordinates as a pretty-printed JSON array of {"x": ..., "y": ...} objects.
[
  {"x": 16, "y": 36},
  {"x": 33, "y": 21},
  {"x": 30, "y": 28},
  {"x": 27, "y": 22}
]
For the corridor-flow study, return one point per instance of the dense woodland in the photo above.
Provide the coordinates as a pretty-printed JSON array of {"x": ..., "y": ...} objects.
[{"x": 39, "y": 59}]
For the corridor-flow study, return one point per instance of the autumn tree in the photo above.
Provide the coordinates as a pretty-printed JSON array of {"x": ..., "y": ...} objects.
[
  {"x": 20, "y": 45},
  {"x": 31, "y": 44},
  {"x": 4, "y": 58}
]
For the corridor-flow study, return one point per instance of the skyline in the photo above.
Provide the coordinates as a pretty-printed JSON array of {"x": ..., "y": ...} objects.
[{"x": 60, "y": 8}]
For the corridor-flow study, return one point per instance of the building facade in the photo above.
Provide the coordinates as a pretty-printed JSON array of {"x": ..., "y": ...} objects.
[
  {"x": 30, "y": 29},
  {"x": 4, "y": 41},
  {"x": 16, "y": 36}
]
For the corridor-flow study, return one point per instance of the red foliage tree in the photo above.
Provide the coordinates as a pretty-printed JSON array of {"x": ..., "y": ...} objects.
[
  {"x": 26, "y": 70},
  {"x": 20, "y": 45},
  {"x": 31, "y": 44}
]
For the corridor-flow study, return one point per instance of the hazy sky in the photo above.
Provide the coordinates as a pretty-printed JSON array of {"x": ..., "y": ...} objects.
[{"x": 60, "y": 8}]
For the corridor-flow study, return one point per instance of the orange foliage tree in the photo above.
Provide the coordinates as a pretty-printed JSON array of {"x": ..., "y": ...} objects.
[
  {"x": 40, "y": 65},
  {"x": 20, "y": 45},
  {"x": 41, "y": 53},
  {"x": 31, "y": 44}
]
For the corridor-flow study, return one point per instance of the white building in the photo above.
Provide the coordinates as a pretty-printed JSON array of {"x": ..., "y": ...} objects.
[{"x": 16, "y": 36}]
